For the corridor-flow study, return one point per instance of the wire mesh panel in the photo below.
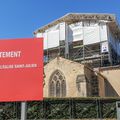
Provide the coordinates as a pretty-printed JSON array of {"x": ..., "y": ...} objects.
[
  {"x": 62, "y": 108},
  {"x": 35, "y": 110},
  {"x": 9, "y": 111},
  {"x": 57, "y": 109},
  {"x": 85, "y": 109},
  {"x": 108, "y": 109}
]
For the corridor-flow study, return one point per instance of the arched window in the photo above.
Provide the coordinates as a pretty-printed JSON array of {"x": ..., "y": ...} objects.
[
  {"x": 57, "y": 84},
  {"x": 58, "y": 89},
  {"x": 63, "y": 85},
  {"x": 52, "y": 88}
]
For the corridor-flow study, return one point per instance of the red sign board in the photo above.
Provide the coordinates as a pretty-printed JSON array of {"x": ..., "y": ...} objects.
[{"x": 21, "y": 69}]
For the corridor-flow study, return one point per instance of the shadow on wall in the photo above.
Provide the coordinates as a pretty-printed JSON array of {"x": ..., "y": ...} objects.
[{"x": 109, "y": 90}]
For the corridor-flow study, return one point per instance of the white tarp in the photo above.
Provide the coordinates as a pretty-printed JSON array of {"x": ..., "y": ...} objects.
[
  {"x": 104, "y": 47},
  {"x": 103, "y": 32},
  {"x": 69, "y": 34},
  {"x": 55, "y": 27},
  {"x": 53, "y": 35},
  {"x": 53, "y": 39},
  {"x": 90, "y": 23},
  {"x": 44, "y": 35},
  {"x": 76, "y": 32},
  {"x": 45, "y": 41},
  {"x": 91, "y": 35},
  {"x": 62, "y": 31},
  {"x": 38, "y": 35}
]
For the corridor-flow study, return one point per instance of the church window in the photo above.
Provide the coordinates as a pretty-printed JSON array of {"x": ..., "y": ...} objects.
[{"x": 57, "y": 84}]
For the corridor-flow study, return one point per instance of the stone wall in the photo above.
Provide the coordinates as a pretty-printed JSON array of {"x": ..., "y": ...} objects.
[{"x": 70, "y": 70}]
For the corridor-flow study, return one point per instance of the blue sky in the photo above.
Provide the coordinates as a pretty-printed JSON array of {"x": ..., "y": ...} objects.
[{"x": 19, "y": 18}]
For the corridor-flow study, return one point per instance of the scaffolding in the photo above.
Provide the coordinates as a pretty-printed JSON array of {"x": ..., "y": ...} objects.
[{"x": 78, "y": 50}]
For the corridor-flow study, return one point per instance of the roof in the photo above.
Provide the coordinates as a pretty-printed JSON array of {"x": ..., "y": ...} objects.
[
  {"x": 63, "y": 60},
  {"x": 76, "y": 17}
]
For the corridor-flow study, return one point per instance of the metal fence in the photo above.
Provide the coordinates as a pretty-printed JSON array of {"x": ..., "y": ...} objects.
[{"x": 64, "y": 108}]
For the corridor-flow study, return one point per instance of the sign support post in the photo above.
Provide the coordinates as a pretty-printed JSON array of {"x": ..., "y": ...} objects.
[{"x": 23, "y": 110}]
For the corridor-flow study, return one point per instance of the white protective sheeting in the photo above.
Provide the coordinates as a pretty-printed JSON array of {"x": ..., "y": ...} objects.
[
  {"x": 39, "y": 35},
  {"x": 62, "y": 31},
  {"x": 53, "y": 35},
  {"x": 91, "y": 35},
  {"x": 103, "y": 32},
  {"x": 104, "y": 47},
  {"x": 45, "y": 41},
  {"x": 44, "y": 35},
  {"x": 53, "y": 39},
  {"x": 69, "y": 34},
  {"x": 55, "y": 27},
  {"x": 78, "y": 34},
  {"x": 90, "y": 23},
  {"x": 76, "y": 31}
]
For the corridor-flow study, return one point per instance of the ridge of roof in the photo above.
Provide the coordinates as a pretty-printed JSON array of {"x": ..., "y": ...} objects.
[{"x": 75, "y": 17}]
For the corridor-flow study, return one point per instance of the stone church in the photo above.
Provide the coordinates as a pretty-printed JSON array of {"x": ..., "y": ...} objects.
[{"x": 65, "y": 78}]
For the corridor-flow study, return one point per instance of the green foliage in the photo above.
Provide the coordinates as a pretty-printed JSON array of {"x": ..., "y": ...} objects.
[
  {"x": 86, "y": 109},
  {"x": 68, "y": 108}
]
